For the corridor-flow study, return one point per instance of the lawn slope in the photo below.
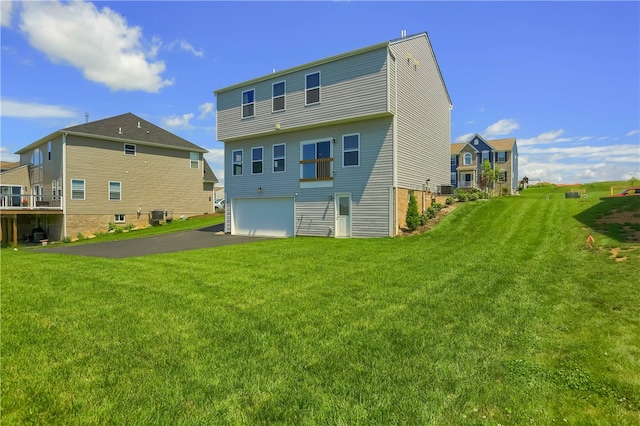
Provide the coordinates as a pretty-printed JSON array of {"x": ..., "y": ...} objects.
[{"x": 500, "y": 314}]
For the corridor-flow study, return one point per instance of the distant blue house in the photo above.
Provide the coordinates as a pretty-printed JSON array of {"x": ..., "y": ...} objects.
[{"x": 467, "y": 159}]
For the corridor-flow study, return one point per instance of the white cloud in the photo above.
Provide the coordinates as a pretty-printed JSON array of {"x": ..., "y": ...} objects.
[
  {"x": 179, "y": 121},
  {"x": 17, "y": 109},
  {"x": 464, "y": 138},
  {"x": 184, "y": 45},
  {"x": 501, "y": 127},
  {"x": 206, "y": 109},
  {"x": 215, "y": 158},
  {"x": 6, "y": 9},
  {"x": 5, "y": 155},
  {"x": 98, "y": 42},
  {"x": 569, "y": 164},
  {"x": 544, "y": 138},
  {"x": 633, "y": 132}
]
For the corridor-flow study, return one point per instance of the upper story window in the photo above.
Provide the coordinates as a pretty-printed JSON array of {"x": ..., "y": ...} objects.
[
  {"x": 279, "y": 152},
  {"x": 312, "y": 88},
  {"x": 351, "y": 150},
  {"x": 115, "y": 191},
  {"x": 315, "y": 163},
  {"x": 236, "y": 158},
  {"x": 49, "y": 150},
  {"x": 77, "y": 189},
  {"x": 256, "y": 160},
  {"x": 454, "y": 179},
  {"x": 194, "y": 160},
  {"x": 467, "y": 158},
  {"x": 485, "y": 156},
  {"x": 36, "y": 157},
  {"x": 502, "y": 157},
  {"x": 278, "y": 91},
  {"x": 129, "y": 149},
  {"x": 248, "y": 103},
  {"x": 454, "y": 160}
]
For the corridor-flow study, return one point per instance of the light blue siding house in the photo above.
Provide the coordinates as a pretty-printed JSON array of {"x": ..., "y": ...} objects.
[{"x": 333, "y": 147}]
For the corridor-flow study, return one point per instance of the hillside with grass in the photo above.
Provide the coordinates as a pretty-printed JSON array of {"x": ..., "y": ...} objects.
[{"x": 500, "y": 314}]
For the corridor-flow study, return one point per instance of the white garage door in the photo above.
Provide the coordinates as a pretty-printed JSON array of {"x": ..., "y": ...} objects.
[{"x": 265, "y": 217}]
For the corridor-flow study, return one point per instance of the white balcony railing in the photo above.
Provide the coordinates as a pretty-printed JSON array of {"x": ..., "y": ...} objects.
[{"x": 30, "y": 202}]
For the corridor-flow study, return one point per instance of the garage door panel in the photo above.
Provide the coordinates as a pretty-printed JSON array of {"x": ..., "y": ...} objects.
[{"x": 270, "y": 217}]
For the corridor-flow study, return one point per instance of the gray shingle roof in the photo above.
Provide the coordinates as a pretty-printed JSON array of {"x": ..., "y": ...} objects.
[{"x": 131, "y": 127}]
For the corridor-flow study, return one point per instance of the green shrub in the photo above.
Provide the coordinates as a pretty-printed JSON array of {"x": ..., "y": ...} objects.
[
  {"x": 473, "y": 196},
  {"x": 413, "y": 217},
  {"x": 112, "y": 226},
  {"x": 461, "y": 195},
  {"x": 130, "y": 226},
  {"x": 66, "y": 240},
  {"x": 505, "y": 191},
  {"x": 450, "y": 200},
  {"x": 81, "y": 236}
]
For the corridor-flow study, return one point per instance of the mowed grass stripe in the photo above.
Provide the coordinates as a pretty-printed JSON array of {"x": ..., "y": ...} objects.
[{"x": 497, "y": 315}]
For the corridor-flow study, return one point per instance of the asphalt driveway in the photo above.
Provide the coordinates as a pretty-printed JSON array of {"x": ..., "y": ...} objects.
[{"x": 211, "y": 236}]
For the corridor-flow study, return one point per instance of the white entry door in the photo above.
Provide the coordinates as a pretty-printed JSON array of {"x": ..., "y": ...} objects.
[{"x": 343, "y": 215}]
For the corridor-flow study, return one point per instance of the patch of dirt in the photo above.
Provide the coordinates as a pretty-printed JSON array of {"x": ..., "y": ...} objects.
[
  {"x": 615, "y": 254},
  {"x": 624, "y": 218},
  {"x": 431, "y": 222}
]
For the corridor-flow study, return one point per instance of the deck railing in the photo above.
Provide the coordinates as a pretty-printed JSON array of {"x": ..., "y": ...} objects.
[{"x": 30, "y": 202}]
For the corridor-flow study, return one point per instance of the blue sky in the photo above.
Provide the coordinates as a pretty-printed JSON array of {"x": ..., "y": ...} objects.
[{"x": 563, "y": 78}]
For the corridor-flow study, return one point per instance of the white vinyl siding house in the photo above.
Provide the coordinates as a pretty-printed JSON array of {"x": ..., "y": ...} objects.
[{"x": 358, "y": 129}]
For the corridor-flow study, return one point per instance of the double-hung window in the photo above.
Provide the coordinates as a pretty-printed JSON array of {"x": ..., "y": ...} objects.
[
  {"x": 194, "y": 159},
  {"x": 502, "y": 157},
  {"x": 351, "y": 150},
  {"x": 454, "y": 179},
  {"x": 315, "y": 164},
  {"x": 236, "y": 158},
  {"x": 278, "y": 91},
  {"x": 502, "y": 176},
  {"x": 129, "y": 149},
  {"x": 256, "y": 160},
  {"x": 279, "y": 153},
  {"x": 485, "y": 156},
  {"x": 454, "y": 160},
  {"x": 248, "y": 103},
  {"x": 115, "y": 191},
  {"x": 467, "y": 159},
  {"x": 77, "y": 189},
  {"x": 312, "y": 88}
]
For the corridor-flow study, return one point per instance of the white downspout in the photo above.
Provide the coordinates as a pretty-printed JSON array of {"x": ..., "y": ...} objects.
[
  {"x": 63, "y": 199},
  {"x": 395, "y": 151}
]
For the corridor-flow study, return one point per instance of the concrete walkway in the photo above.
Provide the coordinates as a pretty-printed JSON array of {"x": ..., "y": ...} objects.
[{"x": 168, "y": 243}]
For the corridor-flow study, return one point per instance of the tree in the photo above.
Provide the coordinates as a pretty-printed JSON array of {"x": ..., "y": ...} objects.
[
  {"x": 488, "y": 175},
  {"x": 633, "y": 181},
  {"x": 413, "y": 217}
]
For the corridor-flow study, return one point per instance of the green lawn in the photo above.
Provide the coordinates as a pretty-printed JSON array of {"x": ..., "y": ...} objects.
[{"x": 499, "y": 315}]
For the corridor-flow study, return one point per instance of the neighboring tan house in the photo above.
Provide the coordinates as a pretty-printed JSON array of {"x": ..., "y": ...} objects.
[
  {"x": 467, "y": 159},
  {"x": 333, "y": 147},
  {"x": 116, "y": 170}
]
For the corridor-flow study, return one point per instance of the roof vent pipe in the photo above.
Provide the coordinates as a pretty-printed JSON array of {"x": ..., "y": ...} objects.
[
  {"x": 138, "y": 124},
  {"x": 403, "y": 33}
]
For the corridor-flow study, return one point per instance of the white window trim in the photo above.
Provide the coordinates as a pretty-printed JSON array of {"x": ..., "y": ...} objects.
[
  {"x": 464, "y": 159},
  {"x": 233, "y": 162},
  {"x": 317, "y": 183},
  {"x": 116, "y": 218},
  {"x": 135, "y": 149},
  {"x": 84, "y": 190},
  {"x": 191, "y": 160},
  {"x": 351, "y": 150},
  {"x": 255, "y": 161},
  {"x": 283, "y": 96},
  {"x": 284, "y": 158},
  {"x": 242, "y": 104},
  {"x": 119, "y": 190},
  {"x": 306, "y": 89},
  {"x": 498, "y": 157}
]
